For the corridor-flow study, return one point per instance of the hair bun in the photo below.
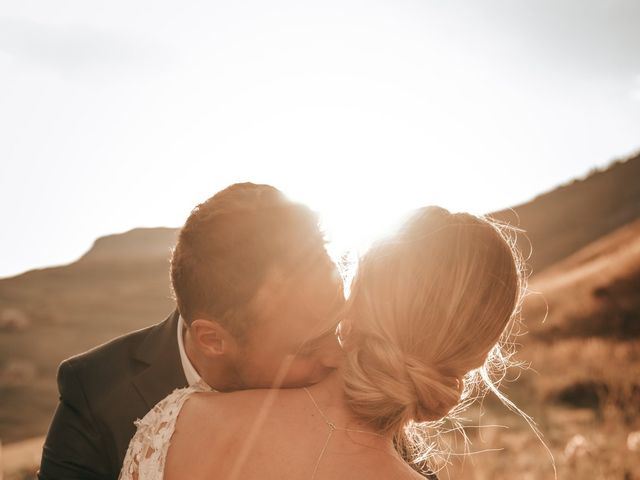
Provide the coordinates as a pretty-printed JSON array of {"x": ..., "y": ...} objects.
[
  {"x": 436, "y": 393},
  {"x": 385, "y": 386}
]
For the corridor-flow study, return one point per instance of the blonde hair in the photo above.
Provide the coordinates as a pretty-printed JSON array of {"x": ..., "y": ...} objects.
[{"x": 427, "y": 308}]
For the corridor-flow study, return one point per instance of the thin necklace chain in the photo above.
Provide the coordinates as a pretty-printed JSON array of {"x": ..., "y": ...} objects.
[
  {"x": 332, "y": 425},
  {"x": 332, "y": 428}
]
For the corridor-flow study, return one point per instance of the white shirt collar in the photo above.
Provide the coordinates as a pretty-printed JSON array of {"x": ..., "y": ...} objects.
[{"x": 190, "y": 372}]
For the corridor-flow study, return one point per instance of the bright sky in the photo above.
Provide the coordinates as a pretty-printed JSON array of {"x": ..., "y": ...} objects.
[{"x": 121, "y": 114}]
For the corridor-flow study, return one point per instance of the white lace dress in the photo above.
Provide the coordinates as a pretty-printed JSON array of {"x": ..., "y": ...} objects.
[{"x": 148, "y": 448}]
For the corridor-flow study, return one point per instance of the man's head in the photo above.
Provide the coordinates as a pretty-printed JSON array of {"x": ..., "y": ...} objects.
[{"x": 254, "y": 283}]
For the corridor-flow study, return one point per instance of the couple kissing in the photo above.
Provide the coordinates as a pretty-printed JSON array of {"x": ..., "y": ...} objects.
[{"x": 265, "y": 371}]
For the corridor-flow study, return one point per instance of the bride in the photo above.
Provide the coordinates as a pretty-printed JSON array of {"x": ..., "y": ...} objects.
[{"x": 427, "y": 307}]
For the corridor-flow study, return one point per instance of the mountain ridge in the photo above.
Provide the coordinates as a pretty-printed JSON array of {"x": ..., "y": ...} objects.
[{"x": 137, "y": 243}]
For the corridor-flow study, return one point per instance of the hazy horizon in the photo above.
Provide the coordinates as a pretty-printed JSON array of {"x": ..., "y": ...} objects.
[
  {"x": 127, "y": 114},
  {"x": 149, "y": 226}
]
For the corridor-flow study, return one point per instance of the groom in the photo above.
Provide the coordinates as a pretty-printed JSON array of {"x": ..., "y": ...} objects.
[{"x": 252, "y": 282}]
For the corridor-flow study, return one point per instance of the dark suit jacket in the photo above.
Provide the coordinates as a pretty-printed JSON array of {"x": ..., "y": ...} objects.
[{"x": 102, "y": 392}]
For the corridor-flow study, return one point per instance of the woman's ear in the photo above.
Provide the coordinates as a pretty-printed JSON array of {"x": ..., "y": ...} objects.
[{"x": 211, "y": 338}]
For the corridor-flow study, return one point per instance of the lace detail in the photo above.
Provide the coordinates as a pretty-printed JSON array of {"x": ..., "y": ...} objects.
[{"x": 148, "y": 448}]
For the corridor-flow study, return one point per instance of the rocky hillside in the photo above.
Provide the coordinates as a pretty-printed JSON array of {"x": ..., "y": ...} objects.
[
  {"x": 593, "y": 292},
  {"x": 46, "y": 315},
  {"x": 562, "y": 221}
]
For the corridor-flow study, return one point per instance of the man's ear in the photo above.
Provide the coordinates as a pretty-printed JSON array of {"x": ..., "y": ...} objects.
[{"x": 212, "y": 339}]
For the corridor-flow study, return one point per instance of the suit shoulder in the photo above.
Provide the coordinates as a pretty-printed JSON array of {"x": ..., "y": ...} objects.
[
  {"x": 104, "y": 373},
  {"x": 117, "y": 358},
  {"x": 115, "y": 349}
]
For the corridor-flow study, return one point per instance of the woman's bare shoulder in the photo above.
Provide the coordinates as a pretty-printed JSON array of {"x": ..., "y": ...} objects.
[
  {"x": 213, "y": 419},
  {"x": 232, "y": 408},
  {"x": 239, "y": 399}
]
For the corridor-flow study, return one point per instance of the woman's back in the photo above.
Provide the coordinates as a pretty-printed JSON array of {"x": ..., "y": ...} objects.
[{"x": 277, "y": 434}]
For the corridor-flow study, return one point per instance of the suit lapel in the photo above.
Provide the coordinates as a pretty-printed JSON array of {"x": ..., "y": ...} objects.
[{"x": 164, "y": 372}]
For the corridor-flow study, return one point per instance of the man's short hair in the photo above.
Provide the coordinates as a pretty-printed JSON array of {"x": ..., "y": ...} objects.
[{"x": 231, "y": 241}]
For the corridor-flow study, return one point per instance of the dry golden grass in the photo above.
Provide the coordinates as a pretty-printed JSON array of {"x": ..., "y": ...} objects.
[
  {"x": 584, "y": 395},
  {"x": 19, "y": 459}
]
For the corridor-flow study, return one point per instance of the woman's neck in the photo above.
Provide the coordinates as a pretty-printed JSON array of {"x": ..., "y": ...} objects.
[{"x": 331, "y": 399}]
